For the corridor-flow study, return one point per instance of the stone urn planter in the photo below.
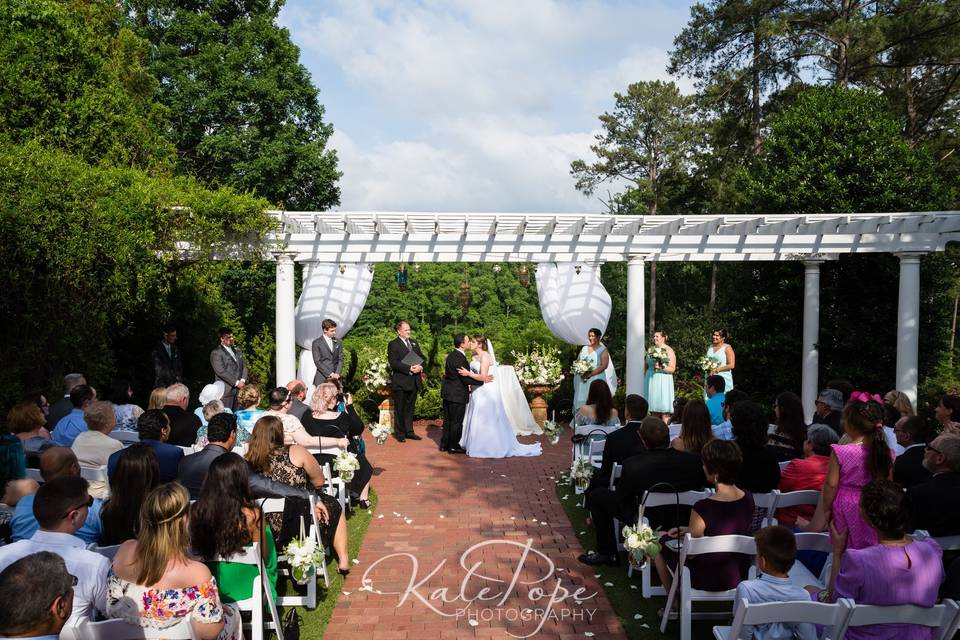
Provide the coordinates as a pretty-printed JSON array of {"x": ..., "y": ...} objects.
[{"x": 538, "y": 406}]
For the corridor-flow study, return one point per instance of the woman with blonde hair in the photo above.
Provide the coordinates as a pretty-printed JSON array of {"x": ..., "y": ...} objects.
[
  {"x": 293, "y": 465},
  {"x": 158, "y": 398},
  {"x": 247, "y": 411},
  {"x": 154, "y": 583}
]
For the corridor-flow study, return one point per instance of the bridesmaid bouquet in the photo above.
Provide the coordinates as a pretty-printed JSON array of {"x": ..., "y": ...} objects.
[
  {"x": 380, "y": 432},
  {"x": 346, "y": 464},
  {"x": 659, "y": 356},
  {"x": 377, "y": 374},
  {"x": 304, "y": 556},
  {"x": 553, "y": 430},
  {"x": 581, "y": 366},
  {"x": 580, "y": 472},
  {"x": 708, "y": 363},
  {"x": 642, "y": 543}
]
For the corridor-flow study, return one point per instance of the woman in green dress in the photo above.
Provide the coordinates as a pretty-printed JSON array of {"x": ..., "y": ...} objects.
[
  {"x": 596, "y": 353},
  {"x": 224, "y": 520}
]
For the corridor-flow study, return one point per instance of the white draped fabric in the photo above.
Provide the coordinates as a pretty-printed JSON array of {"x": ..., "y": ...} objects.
[
  {"x": 327, "y": 293},
  {"x": 515, "y": 403}
]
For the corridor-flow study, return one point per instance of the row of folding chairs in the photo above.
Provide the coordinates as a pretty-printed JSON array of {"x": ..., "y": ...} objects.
[{"x": 90, "y": 474}]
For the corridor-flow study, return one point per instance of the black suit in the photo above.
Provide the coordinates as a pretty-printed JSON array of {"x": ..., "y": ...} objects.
[
  {"x": 455, "y": 391},
  {"x": 908, "y": 470},
  {"x": 936, "y": 504},
  {"x": 193, "y": 470},
  {"x": 183, "y": 426},
  {"x": 621, "y": 444},
  {"x": 167, "y": 368},
  {"x": 640, "y": 472},
  {"x": 405, "y": 385}
]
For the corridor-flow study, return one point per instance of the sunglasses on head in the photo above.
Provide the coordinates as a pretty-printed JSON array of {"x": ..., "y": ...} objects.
[{"x": 87, "y": 504}]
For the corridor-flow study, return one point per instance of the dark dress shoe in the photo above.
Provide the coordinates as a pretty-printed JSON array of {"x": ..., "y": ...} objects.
[
  {"x": 443, "y": 448},
  {"x": 597, "y": 559},
  {"x": 456, "y": 450},
  {"x": 400, "y": 438},
  {"x": 413, "y": 436}
]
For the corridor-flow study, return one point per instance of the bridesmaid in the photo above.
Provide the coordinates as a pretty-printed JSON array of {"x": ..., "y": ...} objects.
[
  {"x": 721, "y": 351},
  {"x": 659, "y": 379},
  {"x": 596, "y": 352}
]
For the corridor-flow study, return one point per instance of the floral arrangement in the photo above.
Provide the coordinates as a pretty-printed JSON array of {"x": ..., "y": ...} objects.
[
  {"x": 642, "y": 543},
  {"x": 380, "y": 432},
  {"x": 581, "y": 366},
  {"x": 304, "y": 556},
  {"x": 553, "y": 430},
  {"x": 659, "y": 355},
  {"x": 540, "y": 366},
  {"x": 580, "y": 472},
  {"x": 346, "y": 464},
  {"x": 708, "y": 363},
  {"x": 377, "y": 374}
]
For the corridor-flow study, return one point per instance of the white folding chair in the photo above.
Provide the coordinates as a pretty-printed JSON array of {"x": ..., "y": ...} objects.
[
  {"x": 799, "y": 574},
  {"x": 336, "y": 487},
  {"x": 126, "y": 437},
  {"x": 107, "y": 552},
  {"x": 615, "y": 472},
  {"x": 831, "y": 616},
  {"x": 123, "y": 630},
  {"x": 783, "y": 465},
  {"x": 96, "y": 474},
  {"x": 260, "y": 591},
  {"x": 34, "y": 474},
  {"x": 808, "y": 497},
  {"x": 768, "y": 503},
  {"x": 681, "y": 577},
  {"x": 276, "y": 505},
  {"x": 945, "y": 617},
  {"x": 186, "y": 450},
  {"x": 653, "y": 499}
]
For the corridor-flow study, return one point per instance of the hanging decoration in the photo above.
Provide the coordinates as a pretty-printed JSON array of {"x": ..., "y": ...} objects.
[
  {"x": 402, "y": 277},
  {"x": 465, "y": 293},
  {"x": 496, "y": 268},
  {"x": 572, "y": 304},
  {"x": 524, "y": 275}
]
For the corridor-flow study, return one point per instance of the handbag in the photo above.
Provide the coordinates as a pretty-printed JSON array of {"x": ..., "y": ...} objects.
[{"x": 291, "y": 624}]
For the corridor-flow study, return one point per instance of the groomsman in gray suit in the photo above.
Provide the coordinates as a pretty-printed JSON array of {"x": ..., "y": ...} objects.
[
  {"x": 327, "y": 353},
  {"x": 229, "y": 366}
]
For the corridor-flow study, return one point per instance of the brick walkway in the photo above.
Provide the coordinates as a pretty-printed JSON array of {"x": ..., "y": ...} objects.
[{"x": 436, "y": 506}]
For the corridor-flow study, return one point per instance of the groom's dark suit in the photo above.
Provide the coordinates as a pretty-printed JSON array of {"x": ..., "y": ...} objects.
[{"x": 455, "y": 391}]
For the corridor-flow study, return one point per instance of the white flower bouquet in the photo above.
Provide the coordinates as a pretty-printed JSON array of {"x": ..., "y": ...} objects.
[
  {"x": 642, "y": 543},
  {"x": 659, "y": 355},
  {"x": 304, "y": 556},
  {"x": 541, "y": 366},
  {"x": 553, "y": 431},
  {"x": 580, "y": 472},
  {"x": 581, "y": 366},
  {"x": 377, "y": 374},
  {"x": 708, "y": 363},
  {"x": 380, "y": 432},
  {"x": 346, "y": 464}
]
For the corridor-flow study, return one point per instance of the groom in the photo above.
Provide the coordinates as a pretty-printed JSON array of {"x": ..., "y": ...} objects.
[{"x": 455, "y": 391}]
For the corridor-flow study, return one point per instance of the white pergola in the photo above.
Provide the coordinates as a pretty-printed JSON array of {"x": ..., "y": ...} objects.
[{"x": 371, "y": 237}]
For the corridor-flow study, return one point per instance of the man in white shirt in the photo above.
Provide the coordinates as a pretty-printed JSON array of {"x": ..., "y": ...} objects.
[
  {"x": 37, "y": 592},
  {"x": 61, "y": 507},
  {"x": 94, "y": 446}
]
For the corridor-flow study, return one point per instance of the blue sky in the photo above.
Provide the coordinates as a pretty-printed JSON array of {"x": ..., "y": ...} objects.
[{"x": 474, "y": 105}]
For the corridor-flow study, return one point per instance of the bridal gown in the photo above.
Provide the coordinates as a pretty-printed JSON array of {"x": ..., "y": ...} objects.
[{"x": 487, "y": 430}]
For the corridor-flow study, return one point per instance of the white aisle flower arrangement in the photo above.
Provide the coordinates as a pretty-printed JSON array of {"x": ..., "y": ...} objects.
[
  {"x": 708, "y": 363},
  {"x": 304, "y": 556},
  {"x": 659, "y": 355},
  {"x": 541, "y": 366},
  {"x": 580, "y": 472},
  {"x": 377, "y": 374},
  {"x": 380, "y": 432},
  {"x": 581, "y": 366},
  {"x": 553, "y": 431},
  {"x": 642, "y": 543},
  {"x": 346, "y": 464}
]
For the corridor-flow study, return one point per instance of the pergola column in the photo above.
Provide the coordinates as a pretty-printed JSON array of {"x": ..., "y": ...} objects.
[
  {"x": 908, "y": 324},
  {"x": 811, "y": 336},
  {"x": 285, "y": 337},
  {"x": 636, "y": 338}
]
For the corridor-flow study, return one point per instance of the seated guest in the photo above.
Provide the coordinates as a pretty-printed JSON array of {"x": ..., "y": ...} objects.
[
  {"x": 56, "y": 462},
  {"x": 281, "y": 400},
  {"x": 63, "y": 406},
  {"x": 25, "y": 420},
  {"x": 126, "y": 412},
  {"x": 695, "y": 431},
  {"x": 61, "y": 508},
  {"x": 210, "y": 393},
  {"x": 158, "y": 398},
  {"x": 807, "y": 473},
  {"x": 324, "y": 420},
  {"x": 947, "y": 413},
  {"x": 896, "y": 570},
  {"x": 760, "y": 472},
  {"x": 293, "y": 465},
  {"x": 224, "y": 520},
  {"x": 828, "y": 409},
  {"x": 727, "y": 512},
  {"x": 678, "y": 406},
  {"x": 936, "y": 502},
  {"x": 900, "y": 402},
  {"x": 724, "y": 430},
  {"x": 786, "y": 441},
  {"x": 715, "y": 396},
  {"x": 655, "y": 462},
  {"x": 208, "y": 410},
  {"x": 913, "y": 433},
  {"x": 298, "y": 391},
  {"x": 72, "y": 424},
  {"x": 94, "y": 446},
  {"x": 154, "y": 429},
  {"x": 136, "y": 475},
  {"x": 44, "y": 591},
  {"x": 248, "y": 401},
  {"x": 599, "y": 407},
  {"x": 776, "y": 554},
  {"x": 622, "y": 443},
  {"x": 183, "y": 424},
  {"x": 155, "y": 584}
]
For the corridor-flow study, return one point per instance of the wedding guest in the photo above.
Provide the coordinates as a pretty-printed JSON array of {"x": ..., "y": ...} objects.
[
  {"x": 167, "y": 363},
  {"x": 183, "y": 424},
  {"x": 325, "y": 421},
  {"x": 405, "y": 380},
  {"x": 126, "y": 412},
  {"x": 72, "y": 424},
  {"x": 722, "y": 352},
  {"x": 154, "y": 429},
  {"x": 208, "y": 410},
  {"x": 695, "y": 430},
  {"x": 895, "y": 569},
  {"x": 808, "y": 472},
  {"x": 43, "y": 591},
  {"x": 294, "y": 465},
  {"x": 786, "y": 441},
  {"x": 248, "y": 411},
  {"x": 715, "y": 398},
  {"x": 599, "y": 407},
  {"x": 936, "y": 502},
  {"x": 94, "y": 446},
  {"x": 158, "y": 398},
  {"x": 724, "y": 430},
  {"x": 760, "y": 472},
  {"x": 828, "y": 408},
  {"x": 913, "y": 433},
  {"x": 659, "y": 377},
  {"x": 298, "y": 391},
  {"x": 63, "y": 406},
  {"x": 137, "y": 474},
  {"x": 25, "y": 421},
  {"x": 947, "y": 413},
  {"x": 281, "y": 400},
  {"x": 622, "y": 443},
  {"x": 678, "y": 406},
  {"x": 209, "y": 393},
  {"x": 41, "y": 401},
  {"x": 596, "y": 352},
  {"x": 155, "y": 584},
  {"x": 900, "y": 402}
]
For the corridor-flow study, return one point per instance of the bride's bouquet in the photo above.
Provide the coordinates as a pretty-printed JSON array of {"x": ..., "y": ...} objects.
[
  {"x": 642, "y": 543},
  {"x": 380, "y": 432},
  {"x": 580, "y": 472},
  {"x": 659, "y": 355},
  {"x": 377, "y": 374},
  {"x": 581, "y": 366},
  {"x": 346, "y": 464},
  {"x": 553, "y": 430},
  {"x": 708, "y": 363},
  {"x": 539, "y": 367}
]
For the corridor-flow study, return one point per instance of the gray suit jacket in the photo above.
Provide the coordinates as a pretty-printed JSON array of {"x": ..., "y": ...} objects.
[
  {"x": 193, "y": 470},
  {"x": 227, "y": 369},
  {"x": 327, "y": 362}
]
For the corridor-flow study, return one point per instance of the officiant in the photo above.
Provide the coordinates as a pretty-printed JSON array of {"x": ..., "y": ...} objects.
[{"x": 406, "y": 361}]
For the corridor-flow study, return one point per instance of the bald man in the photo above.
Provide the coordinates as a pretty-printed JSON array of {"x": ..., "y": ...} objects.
[{"x": 55, "y": 462}]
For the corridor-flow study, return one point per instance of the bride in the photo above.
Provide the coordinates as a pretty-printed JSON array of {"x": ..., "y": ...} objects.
[{"x": 487, "y": 431}]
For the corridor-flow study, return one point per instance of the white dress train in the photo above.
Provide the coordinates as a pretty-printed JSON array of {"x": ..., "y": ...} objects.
[{"x": 487, "y": 429}]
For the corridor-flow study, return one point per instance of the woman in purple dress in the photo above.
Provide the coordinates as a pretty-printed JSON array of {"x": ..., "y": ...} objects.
[{"x": 896, "y": 570}]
